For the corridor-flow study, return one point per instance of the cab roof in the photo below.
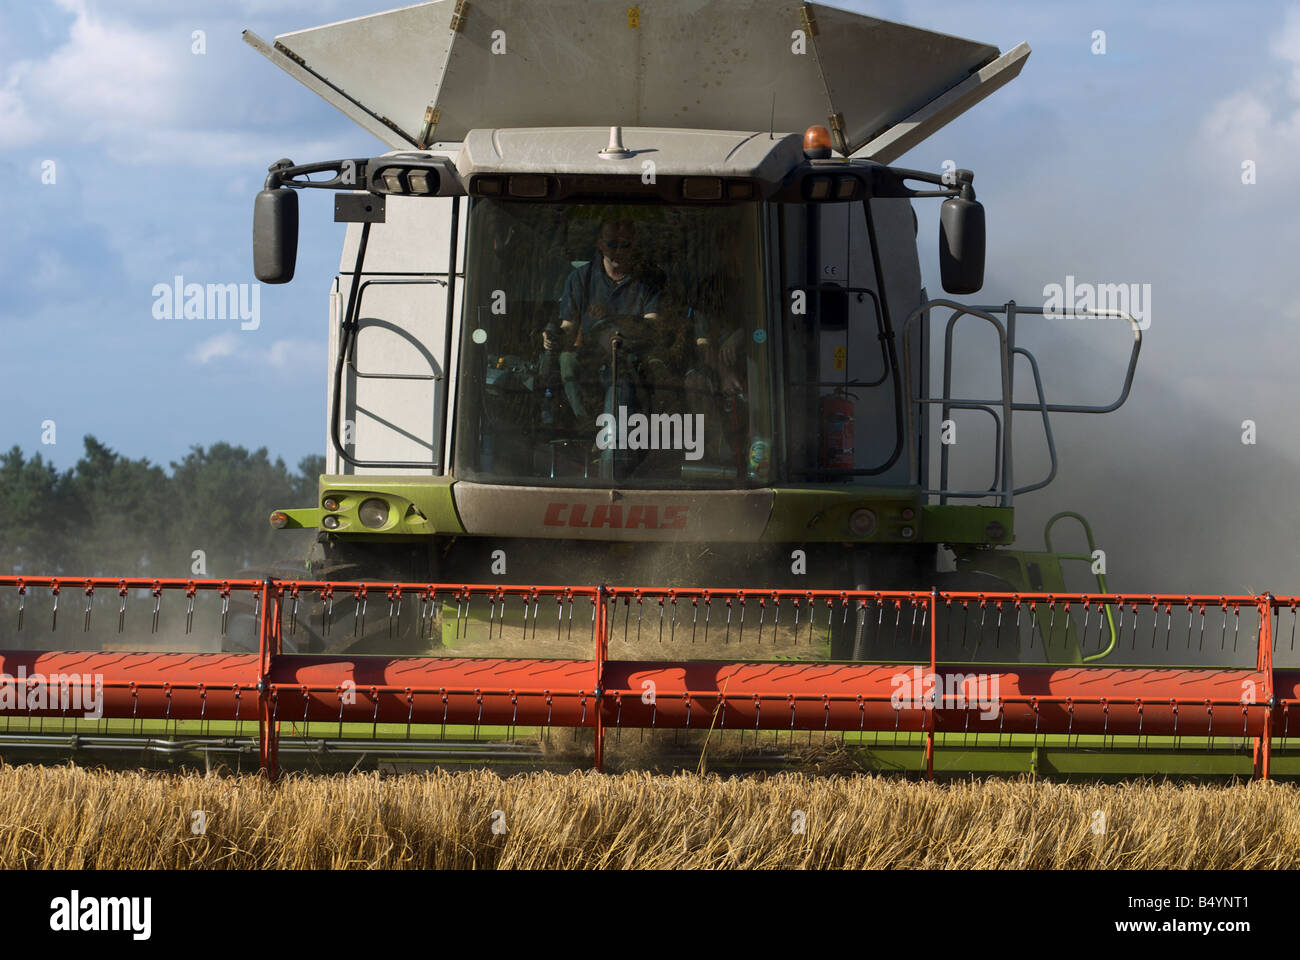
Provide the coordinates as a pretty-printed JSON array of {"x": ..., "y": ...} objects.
[{"x": 673, "y": 152}]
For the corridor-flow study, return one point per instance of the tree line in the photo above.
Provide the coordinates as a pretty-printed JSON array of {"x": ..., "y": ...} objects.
[{"x": 110, "y": 515}]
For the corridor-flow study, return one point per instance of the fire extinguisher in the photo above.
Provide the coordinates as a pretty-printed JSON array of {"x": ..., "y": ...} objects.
[{"x": 837, "y": 429}]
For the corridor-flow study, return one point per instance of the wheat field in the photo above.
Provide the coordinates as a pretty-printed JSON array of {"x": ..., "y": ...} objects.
[{"x": 71, "y": 817}]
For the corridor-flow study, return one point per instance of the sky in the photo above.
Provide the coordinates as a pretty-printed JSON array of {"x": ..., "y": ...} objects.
[{"x": 128, "y": 157}]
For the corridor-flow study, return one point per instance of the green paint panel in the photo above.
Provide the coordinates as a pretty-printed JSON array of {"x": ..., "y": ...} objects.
[
  {"x": 965, "y": 523},
  {"x": 416, "y": 507},
  {"x": 300, "y": 518},
  {"x": 803, "y": 514}
]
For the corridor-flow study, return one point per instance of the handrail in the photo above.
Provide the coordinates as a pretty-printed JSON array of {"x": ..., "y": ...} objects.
[{"x": 1005, "y": 490}]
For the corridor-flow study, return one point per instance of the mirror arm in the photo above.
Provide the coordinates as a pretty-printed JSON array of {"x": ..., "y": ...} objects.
[
  {"x": 960, "y": 188},
  {"x": 283, "y": 173}
]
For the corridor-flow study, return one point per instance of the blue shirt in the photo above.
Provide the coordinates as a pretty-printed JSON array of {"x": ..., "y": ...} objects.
[{"x": 589, "y": 285}]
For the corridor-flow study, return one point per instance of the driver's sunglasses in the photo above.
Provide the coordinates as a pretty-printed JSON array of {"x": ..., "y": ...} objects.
[{"x": 617, "y": 244}]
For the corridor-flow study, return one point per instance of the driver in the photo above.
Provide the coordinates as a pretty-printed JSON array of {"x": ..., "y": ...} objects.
[{"x": 601, "y": 297}]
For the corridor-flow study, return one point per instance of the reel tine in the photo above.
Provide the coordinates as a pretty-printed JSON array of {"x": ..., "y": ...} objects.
[
  {"x": 860, "y": 632},
  {"x": 54, "y": 616},
  {"x": 359, "y": 611},
  {"x": 90, "y": 600}
]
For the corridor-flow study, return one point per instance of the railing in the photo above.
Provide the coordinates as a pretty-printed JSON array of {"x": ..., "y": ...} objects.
[
  {"x": 1003, "y": 407},
  {"x": 631, "y": 679}
]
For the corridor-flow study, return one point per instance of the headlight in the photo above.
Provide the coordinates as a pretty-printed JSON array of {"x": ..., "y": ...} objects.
[
  {"x": 862, "y": 523},
  {"x": 373, "y": 513}
]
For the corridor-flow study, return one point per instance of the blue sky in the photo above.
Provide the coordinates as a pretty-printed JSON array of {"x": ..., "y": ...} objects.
[{"x": 1123, "y": 167}]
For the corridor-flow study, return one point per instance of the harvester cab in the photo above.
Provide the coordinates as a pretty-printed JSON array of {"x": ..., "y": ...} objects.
[{"x": 637, "y": 296}]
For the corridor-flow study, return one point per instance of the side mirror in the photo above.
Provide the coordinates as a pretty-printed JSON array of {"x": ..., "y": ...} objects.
[
  {"x": 961, "y": 244},
  {"x": 275, "y": 235}
]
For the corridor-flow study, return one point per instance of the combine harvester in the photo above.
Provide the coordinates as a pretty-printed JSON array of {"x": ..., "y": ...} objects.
[{"x": 605, "y": 328}]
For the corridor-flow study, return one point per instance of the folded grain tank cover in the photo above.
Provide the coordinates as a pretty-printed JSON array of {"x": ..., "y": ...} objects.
[{"x": 432, "y": 72}]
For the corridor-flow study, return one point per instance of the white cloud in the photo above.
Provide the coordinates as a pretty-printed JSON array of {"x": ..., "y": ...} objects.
[
  {"x": 286, "y": 354},
  {"x": 1262, "y": 122},
  {"x": 131, "y": 83},
  {"x": 103, "y": 76},
  {"x": 216, "y": 348},
  {"x": 1286, "y": 46}
]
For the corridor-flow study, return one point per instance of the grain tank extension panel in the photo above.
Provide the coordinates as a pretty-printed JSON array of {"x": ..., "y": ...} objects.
[{"x": 428, "y": 73}]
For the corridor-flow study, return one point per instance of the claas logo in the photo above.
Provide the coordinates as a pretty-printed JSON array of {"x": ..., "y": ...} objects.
[{"x": 616, "y": 516}]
